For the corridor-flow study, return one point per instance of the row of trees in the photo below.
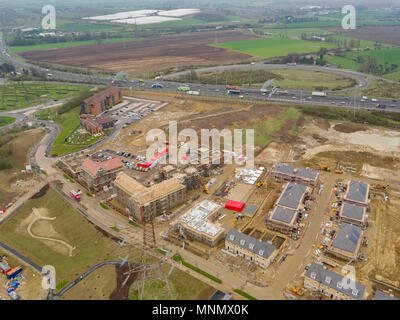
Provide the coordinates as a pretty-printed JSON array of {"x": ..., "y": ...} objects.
[{"x": 372, "y": 66}]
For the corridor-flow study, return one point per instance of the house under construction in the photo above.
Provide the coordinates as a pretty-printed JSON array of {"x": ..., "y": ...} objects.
[
  {"x": 199, "y": 223},
  {"x": 144, "y": 203}
]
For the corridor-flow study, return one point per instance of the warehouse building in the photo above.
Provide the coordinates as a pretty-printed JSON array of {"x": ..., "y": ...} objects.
[
  {"x": 101, "y": 101},
  {"x": 357, "y": 193},
  {"x": 142, "y": 203},
  {"x": 97, "y": 175},
  {"x": 332, "y": 284},
  {"x": 199, "y": 223},
  {"x": 354, "y": 214},
  {"x": 284, "y": 172},
  {"x": 347, "y": 242},
  {"x": 261, "y": 253}
]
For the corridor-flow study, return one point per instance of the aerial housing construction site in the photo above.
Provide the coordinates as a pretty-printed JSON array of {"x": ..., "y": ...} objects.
[{"x": 286, "y": 228}]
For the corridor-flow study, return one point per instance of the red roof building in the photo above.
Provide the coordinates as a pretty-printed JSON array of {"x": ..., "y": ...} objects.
[
  {"x": 234, "y": 205},
  {"x": 99, "y": 174}
]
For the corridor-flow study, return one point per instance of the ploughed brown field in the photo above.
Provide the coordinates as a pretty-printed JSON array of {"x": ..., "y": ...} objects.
[
  {"x": 383, "y": 34},
  {"x": 147, "y": 55}
]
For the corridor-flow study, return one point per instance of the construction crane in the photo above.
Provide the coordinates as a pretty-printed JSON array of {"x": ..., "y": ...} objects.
[{"x": 325, "y": 167}]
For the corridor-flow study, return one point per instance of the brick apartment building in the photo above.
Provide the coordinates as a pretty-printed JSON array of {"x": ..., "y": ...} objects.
[
  {"x": 96, "y": 175},
  {"x": 96, "y": 125},
  {"x": 101, "y": 101},
  {"x": 141, "y": 202}
]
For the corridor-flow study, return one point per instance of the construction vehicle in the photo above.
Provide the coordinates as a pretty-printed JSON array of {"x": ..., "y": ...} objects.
[
  {"x": 338, "y": 168},
  {"x": 76, "y": 195},
  {"x": 235, "y": 171},
  {"x": 259, "y": 184},
  {"x": 325, "y": 167},
  {"x": 297, "y": 291},
  {"x": 381, "y": 186}
]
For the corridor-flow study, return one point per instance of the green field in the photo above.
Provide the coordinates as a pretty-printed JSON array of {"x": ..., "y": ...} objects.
[
  {"x": 48, "y": 46},
  {"x": 343, "y": 62},
  {"x": 20, "y": 95},
  {"x": 273, "y": 47},
  {"x": 390, "y": 56},
  {"x": 4, "y": 121},
  {"x": 91, "y": 246}
]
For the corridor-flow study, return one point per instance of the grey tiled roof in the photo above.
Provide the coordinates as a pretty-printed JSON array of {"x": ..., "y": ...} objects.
[
  {"x": 250, "y": 209},
  {"x": 283, "y": 168},
  {"x": 357, "y": 191},
  {"x": 307, "y": 173},
  {"x": 263, "y": 249},
  {"x": 379, "y": 295},
  {"x": 331, "y": 279},
  {"x": 353, "y": 211},
  {"x": 283, "y": 214},
  {"x": 347, "y": 237},
  {"x": 292, "y": 195}
]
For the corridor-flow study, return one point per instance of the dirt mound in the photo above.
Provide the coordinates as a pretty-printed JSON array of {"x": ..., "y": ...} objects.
[
  {"x": 122, "y": 290},
  {"x": 349, "y": 127},
  {"x": 41, "y": 192}
]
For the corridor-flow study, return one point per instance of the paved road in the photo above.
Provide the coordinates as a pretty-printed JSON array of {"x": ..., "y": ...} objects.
[{"x": 21, "y": 257}]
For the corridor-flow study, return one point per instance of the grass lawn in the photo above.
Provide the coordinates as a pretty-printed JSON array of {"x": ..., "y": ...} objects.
[
  {"x": 182, "y": 285},
  {"x": 4, "y": 121},
  {"x": 264, "y": 129},
  {"x": 21, "y": 95},
  {"x": 343, "y": 62},
  {"x": 244, "y": 294},
  {"x": 311, "y": 80},
  {"x": 274, "y": 47},
  {"x": 13, "y": 154},
  {"x": 178, "y": 258},
  {"x": 69, "y": 121},
  {"x": 91, "y": 246}
]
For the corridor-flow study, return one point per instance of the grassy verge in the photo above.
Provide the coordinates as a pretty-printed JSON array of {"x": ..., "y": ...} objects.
[
  {"x": 378, "y": 118},
  {"x": 244, "y": 294},
  {"x": 5, "y": 121},
  {"x": 104, "y": 206},
  {"x": 178, "y": 258}
]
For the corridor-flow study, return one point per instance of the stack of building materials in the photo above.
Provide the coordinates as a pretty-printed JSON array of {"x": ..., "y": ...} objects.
[{"x": 250, "y": 176}]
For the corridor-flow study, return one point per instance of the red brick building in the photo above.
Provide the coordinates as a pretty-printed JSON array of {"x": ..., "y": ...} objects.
[
  {"x": 101, "y": 101},
  {"x": 96, "y": 125}
]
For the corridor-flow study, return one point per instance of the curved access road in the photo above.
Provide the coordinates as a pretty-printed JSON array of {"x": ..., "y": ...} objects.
[
  {"x": 360, "y": 77},
  {"x": 55, "y": 296}
]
